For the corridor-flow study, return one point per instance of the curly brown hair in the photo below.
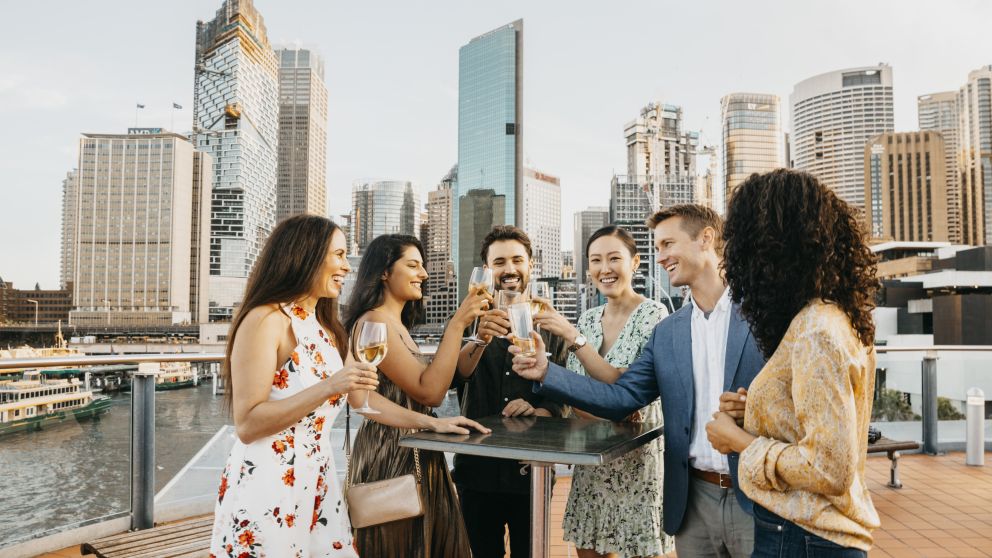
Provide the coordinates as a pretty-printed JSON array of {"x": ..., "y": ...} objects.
[{"x": 789, "y": 240}]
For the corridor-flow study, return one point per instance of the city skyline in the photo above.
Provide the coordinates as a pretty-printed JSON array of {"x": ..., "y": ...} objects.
[{"x": 47, "y": 107}]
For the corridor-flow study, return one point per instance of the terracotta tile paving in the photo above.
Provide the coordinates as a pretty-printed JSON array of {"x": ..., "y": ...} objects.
[{"x": 943, "y": 509}]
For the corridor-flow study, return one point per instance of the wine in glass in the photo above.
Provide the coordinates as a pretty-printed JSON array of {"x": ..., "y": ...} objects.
[
  {"x": 521, "y": 325},
  {"x": 505, "y": 298},
  {"x": 370, "y": 348},
  {"x": 481, "y": 281},
  {"x": 536, "y": 290}
]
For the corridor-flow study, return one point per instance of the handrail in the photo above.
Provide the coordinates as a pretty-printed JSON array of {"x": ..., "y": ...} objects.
[
  {"x": 935, "y": 348},
  {"x": 47, "y": 362}
]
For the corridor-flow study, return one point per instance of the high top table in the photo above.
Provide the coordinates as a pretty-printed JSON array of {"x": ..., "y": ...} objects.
[{"x": 542, "y": 442}]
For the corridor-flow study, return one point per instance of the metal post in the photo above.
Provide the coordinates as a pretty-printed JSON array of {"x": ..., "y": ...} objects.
[
  {"x": 976, "y": 428},
  {"x": 540, "y": 500},
  {"x": 930, "y": 403},
  {"x": 143, "y": 446}
]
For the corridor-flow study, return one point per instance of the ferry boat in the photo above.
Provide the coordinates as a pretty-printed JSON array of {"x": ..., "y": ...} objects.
[
  {"x": 174, "y": 375},
  {"x": 61, "y": 349},
  {"x": 169, "y": 375},
  {"x": 31, "y": 352},
  {"x": 34, "y": 402}
]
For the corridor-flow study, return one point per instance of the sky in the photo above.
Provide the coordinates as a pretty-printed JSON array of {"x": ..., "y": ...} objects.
[{"x": 68, "y": 67}]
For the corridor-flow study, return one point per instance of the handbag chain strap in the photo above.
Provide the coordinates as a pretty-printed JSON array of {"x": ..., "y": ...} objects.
[{"x": 347, "y": 438}]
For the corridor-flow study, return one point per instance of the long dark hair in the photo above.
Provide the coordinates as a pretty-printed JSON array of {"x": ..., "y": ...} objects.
[
  {"x": 370, "y": 289},
  {"x": 286, "y": 271},
  {"x": 789, "y": 240}
]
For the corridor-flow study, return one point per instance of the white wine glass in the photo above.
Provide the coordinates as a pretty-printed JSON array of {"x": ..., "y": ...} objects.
[
  {"x": 536, "y": 290},
  {"x": 481, "y": 281},
  {"x": 521, "y": 326},
  {"x": 505, "y": 298},
  {"x": 370, "y": 349}
]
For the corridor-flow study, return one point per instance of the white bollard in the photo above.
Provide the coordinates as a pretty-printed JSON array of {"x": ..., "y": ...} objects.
[{"x": 976, "y": 428}]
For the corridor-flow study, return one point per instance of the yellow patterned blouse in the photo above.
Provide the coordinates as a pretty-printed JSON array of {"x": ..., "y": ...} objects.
[{"x": 810, "y": 407}]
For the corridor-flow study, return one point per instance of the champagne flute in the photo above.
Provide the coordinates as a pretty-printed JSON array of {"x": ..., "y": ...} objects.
[
  {"x": 481, "y": 281},
  {"x": 521, "y": 325},
  {"x": 371, "y": 349}
]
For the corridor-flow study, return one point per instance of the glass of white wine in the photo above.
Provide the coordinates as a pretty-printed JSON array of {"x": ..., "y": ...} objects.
[
  {"x": 481, "y": 281},
  {"x": 505, "y": 298},
  {"x": 521, "y": 326},
  {"x": 371, "y": 349},
  {"x": 536, "y": 290}
]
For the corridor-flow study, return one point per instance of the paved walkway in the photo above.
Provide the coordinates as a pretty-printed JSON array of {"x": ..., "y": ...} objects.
[{"x": 944, "y": 509}]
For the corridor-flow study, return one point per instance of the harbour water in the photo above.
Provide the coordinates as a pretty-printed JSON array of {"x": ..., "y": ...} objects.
[{"x": 77, "y": 472}]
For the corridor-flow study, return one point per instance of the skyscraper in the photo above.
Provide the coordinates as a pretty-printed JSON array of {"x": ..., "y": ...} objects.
[
  {"x": 586, "y": 222},
  {"x": 752, "y": 137},
  {"x": 490, "y": 148},
  {"x": 199, "y": 276},
  {"x": 631, "y": 203},
  {"x": 302, "y": 182},
  {"x": 661, "y": 155},
  {"x": 383, "y": 207},
  {"x": 905, "y": 187},
  {"x": 975, "y": 158},
  {"x": 235, "y": 120},
  {"x": 134, "y": 235},
  {"x": 938, "y": 112},
  {"x": 705, "y": 194},
  {"x": 542, "y": 221},
  {"x": 567, "y": 265},
  {"x": 70, "y": 187},
  {"x": 833, "y": 117},
  {"x": 441, "y": 298}
]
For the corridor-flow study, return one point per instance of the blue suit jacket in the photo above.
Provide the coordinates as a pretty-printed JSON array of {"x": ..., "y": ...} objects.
[{"x": 664, "y": 368}]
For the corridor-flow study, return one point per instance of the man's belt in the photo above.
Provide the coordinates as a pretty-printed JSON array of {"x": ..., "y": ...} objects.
[{"x": 719, "y": 479}]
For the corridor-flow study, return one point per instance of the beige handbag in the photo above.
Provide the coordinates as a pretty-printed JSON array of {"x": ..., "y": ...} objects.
[{"x": 374, "y": 503}]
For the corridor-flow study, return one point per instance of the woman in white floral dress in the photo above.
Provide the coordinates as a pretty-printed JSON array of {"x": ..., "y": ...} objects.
[
  {"x": 279, "y": 495},
  {"x": 614, "y": 510}
]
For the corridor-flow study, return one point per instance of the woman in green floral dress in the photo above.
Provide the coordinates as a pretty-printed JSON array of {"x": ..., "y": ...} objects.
[{"x": 614, "y": 510}]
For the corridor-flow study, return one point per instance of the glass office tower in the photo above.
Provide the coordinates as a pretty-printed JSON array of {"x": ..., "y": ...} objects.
[{"x": 490, "y": 73}]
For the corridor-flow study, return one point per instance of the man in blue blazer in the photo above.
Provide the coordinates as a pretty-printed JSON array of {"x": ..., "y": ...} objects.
[{"x": 697, "y": 356}]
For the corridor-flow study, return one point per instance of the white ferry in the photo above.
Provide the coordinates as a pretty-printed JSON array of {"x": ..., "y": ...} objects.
[{"x": 34, "y": 402}]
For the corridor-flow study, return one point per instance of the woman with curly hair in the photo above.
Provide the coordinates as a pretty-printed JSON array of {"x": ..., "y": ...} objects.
[{"x": 796, "y": 259}]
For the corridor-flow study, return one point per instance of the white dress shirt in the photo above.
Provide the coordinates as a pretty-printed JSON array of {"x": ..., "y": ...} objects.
[{"x": 709, "y": 354}]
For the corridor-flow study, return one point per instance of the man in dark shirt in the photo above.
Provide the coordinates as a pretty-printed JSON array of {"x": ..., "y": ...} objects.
[{"x": 495, "y": 493}]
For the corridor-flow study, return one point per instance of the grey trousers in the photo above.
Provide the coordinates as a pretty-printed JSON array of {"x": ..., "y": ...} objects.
[{"x": 715, "y": 525}]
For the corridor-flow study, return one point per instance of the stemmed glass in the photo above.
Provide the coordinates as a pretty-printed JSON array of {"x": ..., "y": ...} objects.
[
  {"x": 371, "y": 349},
  {"x": 535, "y": 290},
  {"x": 481, "y": 281}
]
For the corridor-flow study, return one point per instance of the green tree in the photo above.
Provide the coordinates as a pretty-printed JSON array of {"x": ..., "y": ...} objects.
[
  {"x": 947, "y": 411},
  {"x": 891, "y": 406}
]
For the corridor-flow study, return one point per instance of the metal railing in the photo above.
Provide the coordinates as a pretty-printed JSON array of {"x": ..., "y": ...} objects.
[
  {"x": 142, "y": 443},
  {"x": 929, "y": 404}
]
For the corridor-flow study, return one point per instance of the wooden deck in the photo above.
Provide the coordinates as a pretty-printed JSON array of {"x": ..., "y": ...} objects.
[{"x": 944, "y": 509}]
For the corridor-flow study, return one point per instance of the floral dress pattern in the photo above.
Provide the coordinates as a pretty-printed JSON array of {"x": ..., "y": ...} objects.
[
  {"x": 279, "y": 495},
  {"x": 616, "y": 507}
]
